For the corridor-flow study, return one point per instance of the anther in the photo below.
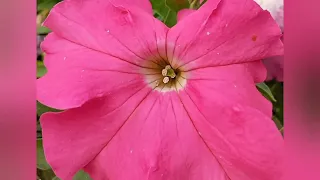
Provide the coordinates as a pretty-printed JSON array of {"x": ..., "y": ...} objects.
[
  {"x": 166, "y": 80},
  {"x": 168, "y": 71},
  {"x": 164, "y": 72}
]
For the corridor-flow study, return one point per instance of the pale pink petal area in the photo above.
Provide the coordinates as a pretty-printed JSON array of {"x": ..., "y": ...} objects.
[
  {"x": 92, "y": 42},
  {"x": 245, "y": 140},
  {"x": 225, "y": 32},
  {"x": 116, "y": 28},
  {"x": 138, "y": 135},
  {"x": 184, "y": 13}
]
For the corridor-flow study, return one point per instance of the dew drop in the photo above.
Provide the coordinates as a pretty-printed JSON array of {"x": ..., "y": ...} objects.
[
  {"x": 108, "y": 31},
  {"x": 208, "y": 33},
  {"x": 226, "y": 25},
  {"x": 218, "y": 53},
  {"x": 235, "y": 108},
  {"x": 131, "y": 151},
  {"x": 64, "y": 58},
  {"x": 199, "y": 133},
  {"x": 235, "y": 85},
  {"x": 82, "y": 70}
]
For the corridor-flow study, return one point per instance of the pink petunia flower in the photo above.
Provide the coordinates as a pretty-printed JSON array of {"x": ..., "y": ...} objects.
[
  {"x": 274, "y": 64},
  {"x": 145, "y": 102}
]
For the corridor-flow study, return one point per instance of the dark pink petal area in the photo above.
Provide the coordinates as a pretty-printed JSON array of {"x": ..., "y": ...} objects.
[
  {"x": 245, "y": 140},
  {"x": 224, "y": 32}
]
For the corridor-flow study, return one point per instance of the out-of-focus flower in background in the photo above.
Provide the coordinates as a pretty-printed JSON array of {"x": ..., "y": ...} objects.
[{"x": 274, "y": 65}]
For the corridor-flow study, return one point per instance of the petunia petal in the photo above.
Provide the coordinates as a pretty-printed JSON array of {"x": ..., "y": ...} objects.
[
  {"x": 225, "y": 32},
  {"x": 74, "y": 137},
  {"x": 77, "y": 74},
  {"x": 184, "y": 13},
  {"x": 146, "y": 135},
  {"x": 242, "y": 136},
  {"x": 235, "y": 82},
  {"x": 118, "y": 29},
  {"x": 93, "y": 41},
  {"x": 275, "y": 68}
]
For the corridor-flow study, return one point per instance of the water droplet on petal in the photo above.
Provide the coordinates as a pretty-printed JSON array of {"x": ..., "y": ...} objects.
[
  {"x": 199, "y": 133},
  {"x": 131, "y": 151},
  {"x": 235, "y": 108},
  {"x": 208, "y": 33},
  {"x": 64, "y": 58},
  {"x": 82, "y": 70},
  {"x": 108, "y": 31},
  {"x": 234, "y": 85},
  {"x": 218, "y": 53},
  {"x": 227, "y": 25}
]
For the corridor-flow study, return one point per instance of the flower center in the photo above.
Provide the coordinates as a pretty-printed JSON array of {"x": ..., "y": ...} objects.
[
  {"x": 162, "y": 76},
  {"x": 168, "y": 73}
]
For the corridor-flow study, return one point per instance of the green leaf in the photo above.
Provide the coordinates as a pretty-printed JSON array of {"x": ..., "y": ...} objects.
[
  {"x": 171, "y": 18},
  {"x": 41, "y": 69},
  {"x": 46, "y": 4},
  {"x": 43, "y": 109},
  {"x": 167, "y": 15},
  {"x": 41, "y": 160},
  {"x": 266, "y": 92},
  {"x": 43, "y": 30},
  {"x": 177, "y": 5},
  {"x": 81, "y": 175}
]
